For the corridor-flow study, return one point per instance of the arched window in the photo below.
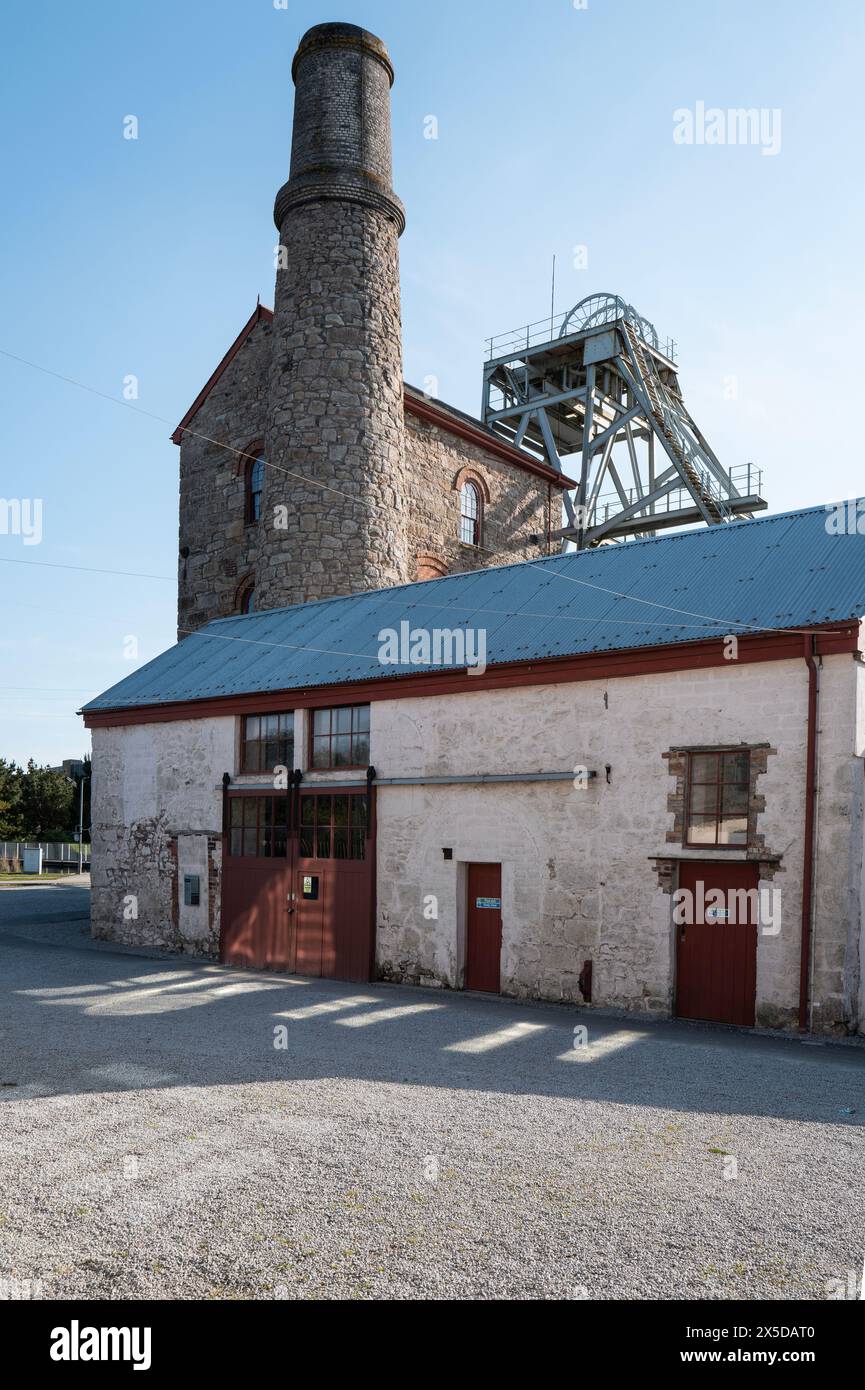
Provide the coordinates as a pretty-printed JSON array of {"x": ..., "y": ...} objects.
[
  {"x": 253, "y": 482},
  {"x": 470, "y": 514},
  {"x": 246, "y": 597}
]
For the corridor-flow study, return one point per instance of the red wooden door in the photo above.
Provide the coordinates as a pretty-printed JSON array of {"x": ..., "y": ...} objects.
[
  {"x": 308, "y": 913},
  {"x": 484, "y": 928},
  {"x": 255, "y": 925},
  {"x": 716, "y": 944}
]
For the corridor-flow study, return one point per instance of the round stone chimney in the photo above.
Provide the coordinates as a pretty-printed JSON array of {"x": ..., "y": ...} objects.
[{"x": 334, "y": 521}]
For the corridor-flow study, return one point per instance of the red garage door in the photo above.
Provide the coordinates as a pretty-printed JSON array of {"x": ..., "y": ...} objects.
[
  {"x": 716, "y": 944},
  {"x": 298, "y": 883}
]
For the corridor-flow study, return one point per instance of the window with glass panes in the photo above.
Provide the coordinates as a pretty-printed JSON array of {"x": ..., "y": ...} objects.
[
  {"x": 332, "y": 827},
  {"x": 258, "y": 826},
  {"x": 340, "y": 736},
  {"x": 254, "y": 485},
  {"x": 470, "y": 514},
  {"x": 267, "y": 742},
  {"x": 718, "y": 793}
]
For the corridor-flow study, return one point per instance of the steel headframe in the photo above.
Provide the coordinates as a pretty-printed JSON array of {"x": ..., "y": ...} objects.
[{"x": 599, "y": 386}]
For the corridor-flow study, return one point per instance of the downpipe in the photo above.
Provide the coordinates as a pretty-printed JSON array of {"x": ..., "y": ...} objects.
[{"x": 809, "y": 652}]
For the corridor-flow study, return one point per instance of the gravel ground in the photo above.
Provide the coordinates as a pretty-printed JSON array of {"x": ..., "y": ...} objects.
[{"x": 405, "y": 1143}]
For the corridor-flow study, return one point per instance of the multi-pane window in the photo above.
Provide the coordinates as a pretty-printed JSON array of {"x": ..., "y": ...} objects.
[
  {"x": 340, "y": 736},
  {"x": 254, "y": 477},
  {"x": 258, "y": 826},
  {"x": 332, "y": 827},
  {"x": 718, "y": 793},
  {"x": 267, "y": 741},
  {"x": 470, "y": 514}
]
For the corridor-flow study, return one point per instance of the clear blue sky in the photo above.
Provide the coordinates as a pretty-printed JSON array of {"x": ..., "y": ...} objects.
[{"x": 555, "y": 129}]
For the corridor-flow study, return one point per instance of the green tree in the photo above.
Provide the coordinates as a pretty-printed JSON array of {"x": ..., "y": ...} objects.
[
  {"x": 47, "y": 801},
  {"x": 10, "y": 800}
]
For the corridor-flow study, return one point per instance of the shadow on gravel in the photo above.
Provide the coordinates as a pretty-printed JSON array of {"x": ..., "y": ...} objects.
[{"x": 77, "y": 1020}]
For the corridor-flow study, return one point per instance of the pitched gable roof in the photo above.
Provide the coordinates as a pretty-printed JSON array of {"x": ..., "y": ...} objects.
[
  {"x": 435, "y": 412},
  {"x": 772, "y": 575}
]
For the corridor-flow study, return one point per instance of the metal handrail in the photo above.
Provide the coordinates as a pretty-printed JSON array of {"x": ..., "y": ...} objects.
[{"x": 546, "y": 330}]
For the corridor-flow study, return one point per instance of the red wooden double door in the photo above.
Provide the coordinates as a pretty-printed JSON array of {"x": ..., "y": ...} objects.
[
  {"x": 716, "y": 943},
  {"x": 298, "y": 883}
]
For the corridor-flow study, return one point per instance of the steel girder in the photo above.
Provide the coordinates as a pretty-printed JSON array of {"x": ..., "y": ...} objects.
[{"x": 607, "y": 395}]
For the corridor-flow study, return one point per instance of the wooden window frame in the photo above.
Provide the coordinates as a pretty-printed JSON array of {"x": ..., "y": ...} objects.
[
  {"x": 333, "y": 734},
  {"x": 476, "y": 520},
  {"x": 355, "y": 828},
  {"x": 719, "y": 783},
  {"x": 284, "y": 738},
  {"x": 278, "y": 823}
]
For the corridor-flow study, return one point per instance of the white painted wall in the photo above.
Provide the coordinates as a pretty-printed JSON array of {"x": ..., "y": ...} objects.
[
  {"x": 578, "y": 872},
  {"x": 578, "y": 879},
  {"x": 156, "y": 799}
]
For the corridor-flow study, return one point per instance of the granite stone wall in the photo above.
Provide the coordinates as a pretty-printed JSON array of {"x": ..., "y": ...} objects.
[
  {"x": 223, "y": 551},
  {"x": 358, "y": 494},
  {"x": 519, "y": 508},
  {"x": 335, "y": 417}
]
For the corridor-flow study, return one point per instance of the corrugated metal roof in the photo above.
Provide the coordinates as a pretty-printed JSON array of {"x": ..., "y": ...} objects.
[{"x": 786, "y": 571}]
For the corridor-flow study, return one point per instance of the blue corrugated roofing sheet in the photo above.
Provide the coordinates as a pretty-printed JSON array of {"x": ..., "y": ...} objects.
[{"x": 786, "y": 571}]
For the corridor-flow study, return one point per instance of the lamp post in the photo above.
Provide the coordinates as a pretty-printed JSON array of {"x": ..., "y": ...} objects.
[{"x": 81, "y": 825}]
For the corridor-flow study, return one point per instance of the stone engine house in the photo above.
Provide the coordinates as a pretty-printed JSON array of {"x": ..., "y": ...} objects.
[
  {"x": 665, "y": 725},
  {"x": 308, "y": 468}
]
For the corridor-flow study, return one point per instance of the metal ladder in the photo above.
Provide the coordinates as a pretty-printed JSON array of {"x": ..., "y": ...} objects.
[{"x": 664, "y": 414}]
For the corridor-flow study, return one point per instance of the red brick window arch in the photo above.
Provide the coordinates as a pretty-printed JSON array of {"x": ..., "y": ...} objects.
[
  {"x": 245, "y": 599},
  {"x": 473, "y": 494},
  {"x": 431, "y": 567}
]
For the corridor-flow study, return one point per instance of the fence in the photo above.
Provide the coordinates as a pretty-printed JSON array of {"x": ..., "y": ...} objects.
[{"x": 59, "y": 856}]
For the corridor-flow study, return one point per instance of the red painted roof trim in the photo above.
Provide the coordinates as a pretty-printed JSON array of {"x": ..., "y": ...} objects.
[
  {"x": 424, "y": 409},
  {"x": 260, "y": 315},
  {"x": 638, "y": 661},
  {"x": 476, "y": 434}
]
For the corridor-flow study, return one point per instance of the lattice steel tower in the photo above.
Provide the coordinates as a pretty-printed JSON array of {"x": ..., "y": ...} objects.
[{"x": 595, "y": 384}]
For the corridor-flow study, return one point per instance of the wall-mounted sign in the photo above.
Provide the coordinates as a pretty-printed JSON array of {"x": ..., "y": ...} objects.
[
  {"x": 717, "y": 914},
  {"x": 488, "y": 902},
  {"x": 309, "y": 888}
]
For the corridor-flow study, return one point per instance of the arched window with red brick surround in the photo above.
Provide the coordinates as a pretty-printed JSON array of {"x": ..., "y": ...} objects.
[
  {"x": 471, "y": 514},
  {"x": 473, "y": 495},
  {"x": 245, "y": 598}
]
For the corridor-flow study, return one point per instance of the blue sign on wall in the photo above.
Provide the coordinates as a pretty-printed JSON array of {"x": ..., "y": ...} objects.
[{"x": 488, "y": 902}]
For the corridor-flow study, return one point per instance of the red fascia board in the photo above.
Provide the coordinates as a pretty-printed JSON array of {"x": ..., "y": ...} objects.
[
  {"x": 832, "y": 640},
  {"x": 426, "y": 410},
  {"x": 259, "y": 315},
  {"x": 476, "y": 434}
]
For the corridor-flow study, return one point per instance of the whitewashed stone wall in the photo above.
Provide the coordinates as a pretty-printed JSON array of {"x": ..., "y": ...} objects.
[
  {"x": 578, "y": 874},
  {"x": 579, "y": 867},
  {"x": 157, "y": 814}
]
